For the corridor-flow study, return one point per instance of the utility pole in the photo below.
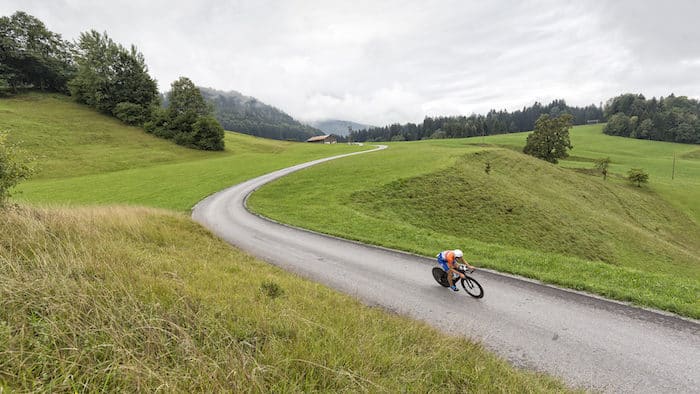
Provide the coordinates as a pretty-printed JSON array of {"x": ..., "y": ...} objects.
[{"x": 673, "y": 171}]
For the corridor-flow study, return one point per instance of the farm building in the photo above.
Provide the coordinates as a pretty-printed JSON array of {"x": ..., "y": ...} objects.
[{"x": 323, "y": 139}]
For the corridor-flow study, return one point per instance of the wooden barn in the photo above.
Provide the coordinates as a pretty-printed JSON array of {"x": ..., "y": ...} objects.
[{"x": 323, "y": 139}]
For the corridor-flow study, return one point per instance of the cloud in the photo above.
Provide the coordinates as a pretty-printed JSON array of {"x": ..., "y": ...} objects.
[{"x": 397, "y": 61}]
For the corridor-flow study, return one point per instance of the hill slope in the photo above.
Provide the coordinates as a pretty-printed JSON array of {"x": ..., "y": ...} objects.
[
  {"x": 530, "y": 204},
  {"x": 528, "y": 217},
  {"x": 72, "y": 139},
  {"x": 135, "y": 299},
  {"x": 248, "y": 115},
  {"x": 84, "y": 157}
]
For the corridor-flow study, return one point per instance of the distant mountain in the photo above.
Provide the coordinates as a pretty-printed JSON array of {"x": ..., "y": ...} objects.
[
  {"x": 338, "y": 127},
  {"x": 248, "y": 115}
]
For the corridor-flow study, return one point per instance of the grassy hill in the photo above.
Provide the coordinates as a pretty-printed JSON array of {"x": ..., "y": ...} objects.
[
  {"x": 131, "y": 299},
  {"x": 557, "y": 224},
  {"x": 655, "y": 157},
  {"x": 87, "y": 158},
  {"x": 71, "y": 140}
]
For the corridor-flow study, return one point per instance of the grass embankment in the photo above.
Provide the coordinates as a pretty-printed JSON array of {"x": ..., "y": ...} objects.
[
  {"x": 87, "y": 158},
  {"x": 656, "y": 157},
  {"x": 526, "y": 217},
  {"x": 136, "y": 299}
]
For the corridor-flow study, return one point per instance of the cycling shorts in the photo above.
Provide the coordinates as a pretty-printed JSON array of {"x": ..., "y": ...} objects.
[{"x": 443, "y": 263}]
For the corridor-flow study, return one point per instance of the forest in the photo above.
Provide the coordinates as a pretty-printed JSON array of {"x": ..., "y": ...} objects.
[
  {"x": 673, "y": 119},
  {"x": 494, "y": 122},
  {"x": 249, "y": 115}
]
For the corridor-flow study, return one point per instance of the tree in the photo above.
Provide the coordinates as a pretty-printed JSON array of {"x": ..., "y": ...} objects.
[
  {"x": 645, "y": 128},
  {"x": 187, "y": 120},
  {"x": 31, "y": 56},
  {"x": 672, "y": 118},
  {"x": 13, "y": 168},
  {"x": 618, "y": 124},
  {"x": 550, "y": 139},
  {"x": 208, "y": 134},
  {"x": 602, "y": 165},
  {"x": 638, "y": 176},
  {"x": 109, "y": 74}
]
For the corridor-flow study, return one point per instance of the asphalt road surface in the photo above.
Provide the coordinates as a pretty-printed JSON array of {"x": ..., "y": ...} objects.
[{"x": 590, "y": 342}]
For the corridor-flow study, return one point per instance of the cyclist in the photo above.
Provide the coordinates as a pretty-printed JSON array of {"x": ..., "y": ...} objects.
[{"x": 448, "y": 260}]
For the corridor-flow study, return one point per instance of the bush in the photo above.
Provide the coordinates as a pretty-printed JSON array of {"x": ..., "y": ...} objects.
[
  {"x": 130, "y": 113},
  {"x": 5, "y": 88},
  {"x": 638, "y": 176},
  {"x": 271, "y": 289},
  {"x": 13, "y": 168},
  {"x": 208, "y": 134},
  {"x": 187, "y": 120},
  {"x": 618, "y": 124}
]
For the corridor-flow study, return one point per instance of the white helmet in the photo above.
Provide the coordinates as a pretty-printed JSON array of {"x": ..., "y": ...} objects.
[{"x": 458, "y": 253}]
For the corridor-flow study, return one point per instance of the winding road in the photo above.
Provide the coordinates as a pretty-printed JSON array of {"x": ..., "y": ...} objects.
[{"x": 588, "y": 341}]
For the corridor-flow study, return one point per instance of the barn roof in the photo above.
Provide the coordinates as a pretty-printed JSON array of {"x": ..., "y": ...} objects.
[{"x": 318, "y": 138}]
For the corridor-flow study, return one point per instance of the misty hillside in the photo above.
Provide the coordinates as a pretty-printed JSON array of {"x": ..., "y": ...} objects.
[
  {"x": 338, "y": 127},
  {"x": 248, "y": 115}
]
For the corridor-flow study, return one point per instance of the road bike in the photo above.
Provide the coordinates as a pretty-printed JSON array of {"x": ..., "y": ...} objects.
[{"x": 469, "y": 284}]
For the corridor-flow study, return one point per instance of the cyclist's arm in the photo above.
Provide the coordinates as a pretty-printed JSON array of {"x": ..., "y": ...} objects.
[{"x": 471, "y": 267}]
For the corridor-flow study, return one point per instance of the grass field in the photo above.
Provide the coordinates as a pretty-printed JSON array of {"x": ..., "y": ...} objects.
[
  {"x": 526, "y": 217},
  {"x": 123, "y": 299},
  {"x": 656, "y": 157},
  {"x": 86, "y": 158},
  {"x": 129, "y": 299}
]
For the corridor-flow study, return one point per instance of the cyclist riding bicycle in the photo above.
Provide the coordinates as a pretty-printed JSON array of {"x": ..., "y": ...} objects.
[{"x": 448, "y": 260}]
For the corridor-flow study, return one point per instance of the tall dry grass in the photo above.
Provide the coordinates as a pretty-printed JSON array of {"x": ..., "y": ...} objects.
[{"x": 135, "y": 299}]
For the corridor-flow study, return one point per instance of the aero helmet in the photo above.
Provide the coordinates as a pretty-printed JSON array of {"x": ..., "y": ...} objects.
[{"x": 458, "y": 253}]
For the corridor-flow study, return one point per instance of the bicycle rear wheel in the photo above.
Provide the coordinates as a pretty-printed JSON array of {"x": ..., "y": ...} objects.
[
  {"x": 472, "y": 287},
  {"x": 440, "y": 276}
]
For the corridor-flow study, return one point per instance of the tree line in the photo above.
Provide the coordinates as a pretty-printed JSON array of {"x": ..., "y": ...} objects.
[
  {"x": 250, "y": 116},
  {"x": 673, "y": 119},
  {"x": 104, "y": 75},
  {"x": 494, "y": 122}
]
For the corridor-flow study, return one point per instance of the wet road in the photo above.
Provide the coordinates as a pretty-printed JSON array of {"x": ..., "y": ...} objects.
[{"x": 588, "y": 341}]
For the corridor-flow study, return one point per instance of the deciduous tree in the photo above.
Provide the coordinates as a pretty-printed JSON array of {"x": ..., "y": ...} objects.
[
  {"x": 109, "y": 74},
  {"x": 31, "y": 56},
  {"x": 550, "y": 140},
  {"x": 187, "y": 120},
  {"x": 637, "y": 176},
  {"x": 602, "y": 165}
]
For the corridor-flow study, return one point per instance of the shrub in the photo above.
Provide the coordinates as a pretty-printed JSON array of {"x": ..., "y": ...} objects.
[
  {"x": 638, "y": 176},
  {"x": 130, "y": 113},
  {"x": 271, "y": 289},
  {"x": 208, "y": 134},
  {"x": 13, "y": 167}
]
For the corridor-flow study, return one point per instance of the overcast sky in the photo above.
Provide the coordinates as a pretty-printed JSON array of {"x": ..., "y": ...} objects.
[{"x": 380, "y": 62}]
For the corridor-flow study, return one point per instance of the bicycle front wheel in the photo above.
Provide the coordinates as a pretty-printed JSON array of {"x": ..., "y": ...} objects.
[{"x": 472, "y": 287}]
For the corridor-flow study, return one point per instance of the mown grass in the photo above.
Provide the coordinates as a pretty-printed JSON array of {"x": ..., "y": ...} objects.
[
  {"x": 526, "y": 217},
  {"x": 656, "y": 157},
  {"x": 83, "y": 157},
  {"x": 136, "y": 299},
  {"x": 68, "y": 139}
]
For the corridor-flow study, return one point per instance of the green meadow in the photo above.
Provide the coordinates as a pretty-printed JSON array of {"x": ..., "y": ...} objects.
[
  {"x": 678, "y": 184},
  {"x": 127, "y": 298},
  {"x": 561, "y": 224},
  {"x": 86, "y": 158}
]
